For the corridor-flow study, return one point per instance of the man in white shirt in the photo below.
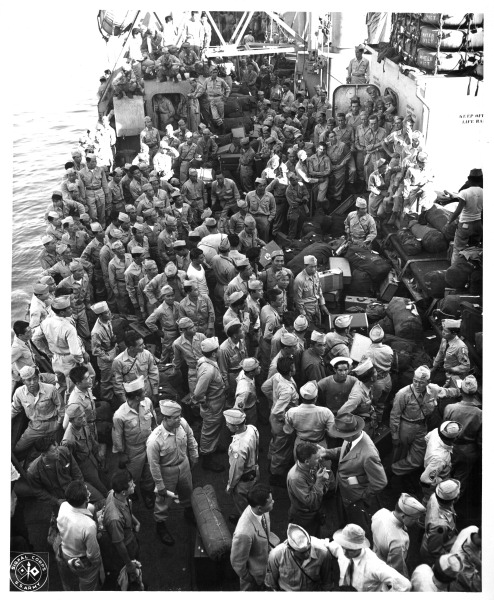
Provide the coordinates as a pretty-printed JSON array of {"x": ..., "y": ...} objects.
[
  {"x": 360, "y": 568},
  {"x": 439, "y": 577}
]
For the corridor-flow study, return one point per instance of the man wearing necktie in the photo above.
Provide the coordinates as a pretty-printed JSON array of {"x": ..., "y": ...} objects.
[
  {"x": 253, "y": 539},
  {"x": 360, "y": 568},
  {"x": 104, "y": 347},
  {"x": 360, "y": 476}
]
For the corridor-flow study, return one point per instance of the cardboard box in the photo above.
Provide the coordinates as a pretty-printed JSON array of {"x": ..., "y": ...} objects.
[
  {"x": 205, "y": 174},
  {"x": 360, "y": 345},
  {"x": 359, "y": 301},
  {"x": 389, "y": 286},
  {"x": 266, "y": 250},
  {"x": 359, "y": 320},
  {"x": 331, "y": 281},
  {"x": 335, "y": 262}
]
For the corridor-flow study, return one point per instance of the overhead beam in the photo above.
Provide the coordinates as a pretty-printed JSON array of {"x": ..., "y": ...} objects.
[
  {"x": 244, "y": 26},
  {"x": 238, "y": 26},
  {"x": 233, "y": 50},
  {"x": 215, "y": 27},
  {"x": 286, "y": 27}
]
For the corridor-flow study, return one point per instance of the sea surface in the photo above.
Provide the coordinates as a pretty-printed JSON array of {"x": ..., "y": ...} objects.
[{"x": 53, "y": 106}]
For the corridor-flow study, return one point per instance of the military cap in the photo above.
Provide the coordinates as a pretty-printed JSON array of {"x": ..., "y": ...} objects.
[
  {"x": 469, "y": 385},
  {"x": 206, "y": 213},
  {"x": 343, "y": 321},
  {"x": 233, "y": 321},
  {"x": 75, "y": 265},
  {"x": 170, "y": 408},
  {"x": 68, "y": 220},
  {"x": 243, "y": 262},
  {"x": 61, "y": 248},
  {"x": 241, "y": 203},
  {"x": 210, "y": 222},
  {"x": 451, "y": 323},
  {"x": 448, "y": 489},
  {"x": 422, "y": 373},
  {"x": 134, "y": 385},
  {"x": 74, "y": 410},
  {"x": 149, "y": 212},
  {"x": 450, "y": 429},
  {"x": 249, "y": 220},
  {"x": 235, "y": 296},
  {"x": 376, "y": 334},
  {"x": 46, "y": 239},
  {"x": 249, "y": 364},
  {"x": 209, "y": 344},
  {"x": 361, "y": 203},
  {"x": 95, "y": 227},
  {"x": 288, "y": 339},
  {"x": 179, "y": 244},
  {"x": 100, "y": 307},
  {"x": 137, "y": 250},
  {"x": 301, "y": 323},
  {"x": 310, "y": 260},
  {"x": 167, "y": 289},
  {"x": 40, "y": 288},
  {"x": 224, "y": 244},
  {"x": 130, "y": 207},
  {"x": 410, "y": 506},
  {"x": 116, "y": 234},
  {"x": 309, "y": 390},
  {"x": 254, "y": 284},
  {"x": 116, "y": 245},
  {"x": 298, "y": 539},
  {"x": 148, "y": 263},
  {"x": 27, "y": 371},
  {"x": 71, "y": 187},
  {"x": 56, "y": 193},
  {"x": 234, "y": 416},
  {"x": 185, "y": 323},
  {"x": 123, "y": 217},
  {"x": 449, "y": 566},
  {"x": 170, "y": 269},
  {"x": 317, "y": 336},
  {"x": 138, "y": 226}
]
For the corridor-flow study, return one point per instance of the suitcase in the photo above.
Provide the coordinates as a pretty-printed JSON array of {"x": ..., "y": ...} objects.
[
  {"x": 266, "y": 250},
  {"x": 358, "y": 301},
  {"x": 359, "y": 320},
  {"x": 335, "y": 262},
  {"x": 389, "y": 286},
  {"x": 331, "y": 280},
  {"x": 332, "y": 297}
]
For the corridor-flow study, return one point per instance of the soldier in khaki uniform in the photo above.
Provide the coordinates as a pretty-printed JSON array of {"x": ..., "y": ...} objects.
[
  {"x": 209, "y": 393},
  {"x": 133, "y": 423},
  {"x": 243, "y": 456},
  {"x": 246, "y": 393},
  {"x": 104, "y": 347},
  {"x": 167, "y": 315},
  {"x": 172, "y": 451}
]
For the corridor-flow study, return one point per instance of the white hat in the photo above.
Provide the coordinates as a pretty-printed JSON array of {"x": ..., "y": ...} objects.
[
  {"x": 166, "y": 289},
  {"x": 361, "y": 203},
  {"x": 447, "y": 323},
  {"x": 410, "y": 506},
  {"x": 422, "y": 373},
  {"x": 96, "y": 227},
  {"x": 363, "y": 367},
  {"x": 170, "y": 408},
  {"x": 231, "y": 324},
  {"x": 61, "y": 302},
  {"x": 351, "y": 537},
  {"x": 469, "y": 385},
  {"x": 317, "y": 336},
  {"x": 209, "y": 344},
  {"x": 448, "y": 489},
  {"x": 136, "y": 384},
  {"x": 99, "y": 307},
  {"x": 310, "y": 260},
  {"x": 343, "y": 321},
  {"x": 450, "y": 429},
  {"x": 339, "y": 359},
  {"x": 309, "y": 390},
  {"x": 298, "y": 538},
  {"x": 450, "y": 565},
  {"x": 235, "y": 296},
  {"x": 170, "y": 269},
  {"x": 27, "y": 371},
  {"x": 46, "y": 239},
  {"x": 289, "y": 339},
  {"x": 234, "y": 416},
  {"x": 249, "y": 364},
  {"x": 376, "y": 334},
  {"x": 301, "y": 323}
]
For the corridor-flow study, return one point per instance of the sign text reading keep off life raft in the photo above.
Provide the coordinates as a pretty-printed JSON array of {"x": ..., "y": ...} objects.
[{"x": 466, "y": 119}]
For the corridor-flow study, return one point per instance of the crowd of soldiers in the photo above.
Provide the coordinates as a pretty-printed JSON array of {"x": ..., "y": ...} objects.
[{"x": 178, "y": 263}]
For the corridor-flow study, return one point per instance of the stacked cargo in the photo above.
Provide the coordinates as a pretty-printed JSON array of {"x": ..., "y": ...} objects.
[{"x": 438, "y": 43}]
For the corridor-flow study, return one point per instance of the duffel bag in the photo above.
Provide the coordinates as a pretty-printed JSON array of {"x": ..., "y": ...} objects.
[
  {"x": 213, "y": 530},
  {"x": 320, "y": 250},
  {"x": 453, "y": 21},
  {"x": 361, "y": 284},
  {"x": 432, "y": 240},
  {"x": 406, "y": 324},
  {"x": 364, "y": 260},
  {"x": 435, "y": 283},
  {"x": 375, "y": 311},
  {"x": 438, "y": 218},
  {"x": 410, "y": 244},
  {"x": 458, "y": 276}
]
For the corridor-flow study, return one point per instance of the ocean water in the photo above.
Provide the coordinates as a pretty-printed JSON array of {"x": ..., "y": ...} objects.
[{"x": 54, "y": 105}]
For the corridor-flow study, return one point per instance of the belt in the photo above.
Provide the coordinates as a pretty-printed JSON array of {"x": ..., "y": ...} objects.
[
  {"x": 309, "y": 440},
  {"x": 93, "y": 188},
  {"x": 45, "y": 420},
  {"x": 410, "y": 421}
]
